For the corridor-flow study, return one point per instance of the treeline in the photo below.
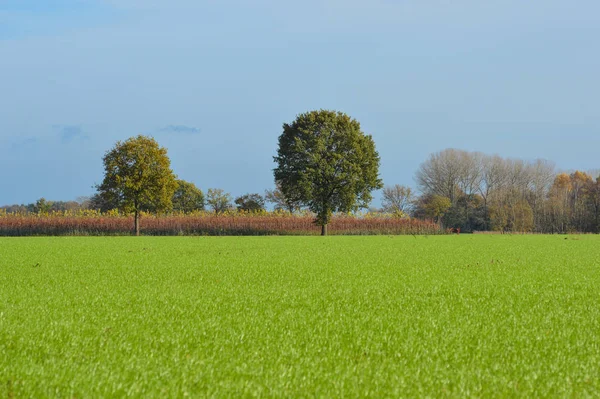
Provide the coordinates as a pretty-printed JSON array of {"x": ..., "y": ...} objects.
[
  {"x": 458, "y": 189},
  {"x": 188, "y": 198},
  {"x": 478, "y": 192},
  {"x": 326, "y": 167}
]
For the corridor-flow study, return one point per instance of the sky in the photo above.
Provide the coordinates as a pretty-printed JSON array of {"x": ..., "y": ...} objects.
[{"x": 213, "y": 81}]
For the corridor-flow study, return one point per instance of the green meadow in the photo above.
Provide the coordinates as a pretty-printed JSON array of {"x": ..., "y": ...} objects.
[{"x": 401, "y": 316}]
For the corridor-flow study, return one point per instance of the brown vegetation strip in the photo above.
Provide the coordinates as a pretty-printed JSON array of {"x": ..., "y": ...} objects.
[{"x": 206, "y": 224}]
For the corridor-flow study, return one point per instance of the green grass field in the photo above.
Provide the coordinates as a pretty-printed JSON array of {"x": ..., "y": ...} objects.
[{"x": 488, "y": 316}]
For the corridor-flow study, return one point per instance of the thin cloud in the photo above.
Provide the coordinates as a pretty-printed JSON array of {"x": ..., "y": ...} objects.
[
  {"x": 25, "y": 143},
  {"x": 69, "y": 133},
  {"x": 180, "y": 129}
]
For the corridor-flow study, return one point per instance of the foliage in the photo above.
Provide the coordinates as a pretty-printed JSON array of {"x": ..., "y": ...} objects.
[
  {"x": 433, "y": 207},
  {"x": 250, "y": 203},
  {"x": 468, "y": 214},
  {"x": 102, "y": 203},
  {"x": 517, "y": 217},
  {"x": 218, "y": 200},
  {"x": 467, "y": 316},
  {"x": 43, "y": 206},
  {"x": 187, "y": 197},
  {"x": 325, "y": 161},
  {"x": 485, "y": 193},
  {"x": 516, "y": 195},
  {"x": 138, "y": 177}
]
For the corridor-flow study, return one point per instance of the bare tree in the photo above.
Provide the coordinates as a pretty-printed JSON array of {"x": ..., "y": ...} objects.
[
  {"x": 440, "y": 174},
  {"x": 493, "y": 176},
  {"x": 503, "y": 187},
  {"x": 542, "y": 176},
  {"x": 280, "y": 201},
  {"x": 470, "y": 166},
  {"x": 397, "y": 199}
]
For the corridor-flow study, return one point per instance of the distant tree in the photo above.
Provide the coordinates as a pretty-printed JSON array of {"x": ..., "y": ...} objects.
[
  {"x": 521, "y": 217},
  {"x": 397, "y": 199},
  {"x": 516, "y": 217},
  {"x": 43, "y": 206},
  {"x": 441, "y": 173},
  {"x": 218, "y": 200},
  {"x": 594, "y": 200},
  {"x": 579, "y": 202},
  {"x": 187, "y": 197},
  {"x": 468, "y": 214},
  {"x": 16, "y": 208},
  {"x": 280, "y": 201},
  {"x": 138, "y": 177},
  {"x": 84, "y": 202},
  {"x": 61, "y": 206},
  {"x": 560, "y": 203},
  {"x": 102, "y": 203},
  {"x": 250, "y": 203},
  {"x": 431, "y": 206},
  {"x": 325, "y": 161}
]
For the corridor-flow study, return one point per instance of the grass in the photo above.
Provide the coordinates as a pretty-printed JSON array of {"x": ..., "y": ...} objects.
[{"x": 456, "y": 316}]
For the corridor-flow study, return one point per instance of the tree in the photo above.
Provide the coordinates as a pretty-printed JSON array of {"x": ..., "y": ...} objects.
[
  {"x": 187, "y": 197},
  {"x": 250, "y": 203},
  {"x": 281, "y": 202},
  {"x": 397, "y": 199},
  {"x": 84, "y": 202},
  {"x": 466, "y": 177},
  {"x": 218, "y": 200},
  {"x": 441, "y": 173},
  {"x": 138, "y": 177},
  {"x": 594, "y": 198},
  {"x": 468, "y": 217},
  {"x": 542, "y": 176},
  {"x": 436, "y": 207},
  {"x": 43, "y": 206},
  {"x": 581, "y": 218},
  {"x": 493, "y": 177},
  {"x": 521, "y": 217},
  {"x": 325, "y": 161},
  {"x": 16, "y": 208},
  {"x": 102, "y": 203},
  {"x": 559, "y": 202}
]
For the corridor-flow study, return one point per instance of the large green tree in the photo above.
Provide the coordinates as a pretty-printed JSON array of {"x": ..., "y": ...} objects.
[
  {"x": 327, "y": 162},
  {"x": 138, "y": 177}
]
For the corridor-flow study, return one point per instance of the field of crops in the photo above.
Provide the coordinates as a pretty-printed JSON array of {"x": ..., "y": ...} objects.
[
  {"x": 385, "y": 316},
  {"x": 206, "y": 223}
]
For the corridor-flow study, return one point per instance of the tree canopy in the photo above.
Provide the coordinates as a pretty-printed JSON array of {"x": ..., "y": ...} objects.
[
  {"x": 326, "y": 162},
  {"x": 187, "y": 197},
  {"x": 218, "y": 200},
  {"x": 138, "y": 177},
  {"x": 250, "y": 203}
]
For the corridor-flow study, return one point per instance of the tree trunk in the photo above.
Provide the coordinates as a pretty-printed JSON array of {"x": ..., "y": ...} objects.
[
  {"x": 136, "y": 222},
  {"x": 324, "y": 230}
]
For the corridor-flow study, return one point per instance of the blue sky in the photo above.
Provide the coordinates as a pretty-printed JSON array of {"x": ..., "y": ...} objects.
[{"x": 213, "y": 81}]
